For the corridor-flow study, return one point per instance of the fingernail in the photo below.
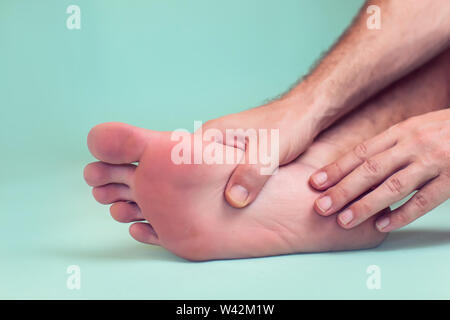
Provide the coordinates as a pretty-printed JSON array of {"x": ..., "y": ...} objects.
[
  {"x": 324, "y": 203},
  {"x": 346, "y": 216},
  {"x": 320, "y": 178},
  {"x": 383, "y": 223},
  {"x": 238, "y": 194}
]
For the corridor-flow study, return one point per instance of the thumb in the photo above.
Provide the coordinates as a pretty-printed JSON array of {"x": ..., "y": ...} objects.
[
  {"x": 245, "y": 183},
  {"x": 256, "y": 166}
]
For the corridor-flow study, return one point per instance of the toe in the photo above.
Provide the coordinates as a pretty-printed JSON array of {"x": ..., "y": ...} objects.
[
  {"x": 112, "y": 193},
  {"x": 117, "y": 143},
  {"x": 144, "y": 232},
  {"x": 100, "y": 173},
  {"x": 126, "y": 212}
]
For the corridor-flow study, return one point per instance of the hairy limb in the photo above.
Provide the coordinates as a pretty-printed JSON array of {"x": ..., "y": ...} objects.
[
  {"x": 361, "y": 64},
  {"x": 365, "y": 61}
]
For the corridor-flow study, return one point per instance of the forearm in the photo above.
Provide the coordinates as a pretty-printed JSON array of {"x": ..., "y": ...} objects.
[
  {"x": 365, "y": 61},
  {"x": 425, "y": 90}
]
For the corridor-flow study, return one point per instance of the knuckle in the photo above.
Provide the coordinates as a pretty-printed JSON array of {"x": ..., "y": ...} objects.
[
  {"x": 422, "y": 137},
  {"x": 423, "y": 160},
  {"x": 420, "y": 201},
  {"x": 360, "y": 151},
  {"x": 371, "y": 167},
  {"x": 394, "y": 130},
  {"x": 394, "y": 185}
]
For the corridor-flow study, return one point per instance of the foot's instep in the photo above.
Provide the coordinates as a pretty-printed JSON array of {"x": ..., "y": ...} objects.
[{"x": 185, "y": 208}]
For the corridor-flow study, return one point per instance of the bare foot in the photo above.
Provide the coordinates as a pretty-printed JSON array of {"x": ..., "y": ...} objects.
[{"x": 185, "y": 205}]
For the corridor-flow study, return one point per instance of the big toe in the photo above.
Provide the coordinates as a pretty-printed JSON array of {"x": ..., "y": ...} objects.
[{"x": 117, "y": 143}]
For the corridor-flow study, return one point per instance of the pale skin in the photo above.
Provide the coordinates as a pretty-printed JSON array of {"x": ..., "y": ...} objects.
[
  {"x": 361, "y": 64},
  {"x": 184, "y": 204},
  {"x": 187, "y": 213},
  {"x": 413, "y": 155}
]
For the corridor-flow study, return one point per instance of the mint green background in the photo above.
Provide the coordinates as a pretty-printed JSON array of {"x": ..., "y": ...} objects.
[{"x": 161, "y": 65}]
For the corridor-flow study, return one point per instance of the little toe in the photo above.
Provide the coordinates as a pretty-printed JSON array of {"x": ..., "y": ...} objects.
[
  {"x": 144, "y": 232},
  {"x": 112, "y": 193},
  {"x": 117, "y": 143},
  {"x": 126, "y": 212},
  {"x": 100, "y": 173}
]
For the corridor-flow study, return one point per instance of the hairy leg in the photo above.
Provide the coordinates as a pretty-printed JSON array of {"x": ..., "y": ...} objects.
[
  {"x": 424, "y": 90},
  {"x": 184, "y": 204}
]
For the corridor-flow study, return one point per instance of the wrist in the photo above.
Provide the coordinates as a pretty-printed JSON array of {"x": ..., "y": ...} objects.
[{"x": 311, "y": 106}]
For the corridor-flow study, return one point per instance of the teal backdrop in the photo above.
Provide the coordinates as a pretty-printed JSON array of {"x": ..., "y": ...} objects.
[{"x": 162, "y": 64}]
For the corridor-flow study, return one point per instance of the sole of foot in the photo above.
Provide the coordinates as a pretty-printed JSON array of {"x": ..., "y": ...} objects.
[{"x": 184, "y": 208}]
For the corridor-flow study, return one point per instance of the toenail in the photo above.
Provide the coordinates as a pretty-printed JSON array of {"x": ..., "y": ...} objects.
[
  {"x": 320, "y": 178},
  {"x": 238, "y": 194},
  {"x": 324, "y": 203},
  {"x": 383, "y": 223},
  {"x": 346, "y": 216}
]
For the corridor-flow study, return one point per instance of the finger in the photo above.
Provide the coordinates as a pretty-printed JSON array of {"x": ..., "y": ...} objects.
[
  {"x": 245, "y": 184},
  {"x": 370, "y": 173},
  {"x": 394, "y": 189},
  {"x": 260, "y": 162},
  {"x": 427, "y": 198},
  {"x": 334, "y": 172}
]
